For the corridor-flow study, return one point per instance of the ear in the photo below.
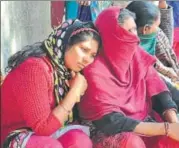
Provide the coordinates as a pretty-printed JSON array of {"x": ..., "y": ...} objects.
[{"x": 146, "y": 29}]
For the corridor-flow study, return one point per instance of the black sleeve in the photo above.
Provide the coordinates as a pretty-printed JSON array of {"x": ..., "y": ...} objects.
[
  {"x": 162, "y": 102},
  {"x": 114, "y": 123}
]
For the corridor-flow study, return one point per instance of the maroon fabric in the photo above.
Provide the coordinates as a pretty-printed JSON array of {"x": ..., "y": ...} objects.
[
  {"x": 57, "y": 12},
  {"x": 122, "y": 78}
]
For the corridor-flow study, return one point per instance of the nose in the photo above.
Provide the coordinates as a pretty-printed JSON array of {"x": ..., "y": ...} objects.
[{"x": 134, "y": 32}]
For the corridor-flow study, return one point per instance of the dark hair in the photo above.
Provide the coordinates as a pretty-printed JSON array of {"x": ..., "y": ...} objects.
[
  {"x": 34, "y": 50},
  {"x": 124, "y": 15},
  {"x": 146, "y": 12},
  {"x": 37, "y": 49},
  {"x": 85, "y": 35}
]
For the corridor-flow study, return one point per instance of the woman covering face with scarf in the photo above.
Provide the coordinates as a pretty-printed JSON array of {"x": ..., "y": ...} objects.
[
  {"x": 43, "y": 85},
  {"x": 125, "y": 94}
]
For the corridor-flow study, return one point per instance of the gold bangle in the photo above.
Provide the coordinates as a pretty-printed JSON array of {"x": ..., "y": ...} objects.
[{"x": 166, "y": 124}]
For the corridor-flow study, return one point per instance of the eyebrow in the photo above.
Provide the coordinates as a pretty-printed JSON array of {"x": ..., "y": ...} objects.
[{"x": 89, "y": 49}]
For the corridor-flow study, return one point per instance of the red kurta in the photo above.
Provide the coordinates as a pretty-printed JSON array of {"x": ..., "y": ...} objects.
[{"x": 27, "y": 98}]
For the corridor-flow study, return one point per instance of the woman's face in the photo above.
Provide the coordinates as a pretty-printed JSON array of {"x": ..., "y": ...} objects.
[
  {"x": 152, "y": 28},
  {"x": 130, "y": 25},
  {"x": 80, "y": 55}
]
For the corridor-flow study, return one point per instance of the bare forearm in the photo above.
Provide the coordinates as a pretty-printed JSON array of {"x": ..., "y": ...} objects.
[
  {"x": 61, "y": 112},
  {"x": 160, "y": 67},
  {"x": 150, "y": 129},
  {"x": 158, "y": 129}
]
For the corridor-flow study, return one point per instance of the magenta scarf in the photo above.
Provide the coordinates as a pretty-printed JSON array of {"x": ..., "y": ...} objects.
[{"x": 122, "y": 78}]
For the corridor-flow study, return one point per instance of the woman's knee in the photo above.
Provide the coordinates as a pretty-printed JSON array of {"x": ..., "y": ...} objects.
[
  {"x": 43, "y": 142},
  {"x": 75, "y": 139},
  {"x": 131, "y": 140}
]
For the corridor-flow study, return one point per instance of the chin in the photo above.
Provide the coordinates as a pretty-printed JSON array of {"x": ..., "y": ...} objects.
[{"x": 76, "y": 69}]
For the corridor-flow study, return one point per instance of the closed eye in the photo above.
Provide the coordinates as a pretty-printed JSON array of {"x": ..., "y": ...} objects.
[
  {"x": 84, "y": 49},
  {"x": 94, "y": 55}
]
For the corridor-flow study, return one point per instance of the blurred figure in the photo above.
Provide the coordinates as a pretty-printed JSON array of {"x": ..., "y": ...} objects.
[{"x": 175, "y": 5}]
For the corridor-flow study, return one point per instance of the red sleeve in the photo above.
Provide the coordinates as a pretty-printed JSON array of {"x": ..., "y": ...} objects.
[
  {"x": 32, "y": 93},
  {"x": 154, "y": 83}
]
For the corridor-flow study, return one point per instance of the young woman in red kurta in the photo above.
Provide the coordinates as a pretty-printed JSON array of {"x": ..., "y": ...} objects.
[{"x": 44, "y": 84}]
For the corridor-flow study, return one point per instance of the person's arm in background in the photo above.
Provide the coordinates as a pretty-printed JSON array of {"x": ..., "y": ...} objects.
[
  {"x": 165, "y": 52},
  {"x": 167, "y": 20},
  {"x": 166, "y": 71}
]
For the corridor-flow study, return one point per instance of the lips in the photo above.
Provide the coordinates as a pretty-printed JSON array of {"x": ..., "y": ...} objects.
[{"x": 81, "y": 65}]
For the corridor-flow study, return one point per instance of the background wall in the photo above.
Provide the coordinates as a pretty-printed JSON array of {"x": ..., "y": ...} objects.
[{"x": 22, "y": 23}]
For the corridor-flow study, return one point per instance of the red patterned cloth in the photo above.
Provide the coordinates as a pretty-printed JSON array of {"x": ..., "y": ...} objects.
[{"x": 57, "y": 12}]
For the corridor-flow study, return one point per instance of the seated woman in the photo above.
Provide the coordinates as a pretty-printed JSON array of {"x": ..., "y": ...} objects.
[
  {"x": 42, "y": 87},
  {"x": 123, "y": 87},
  {"x": 155, "y": 42}
]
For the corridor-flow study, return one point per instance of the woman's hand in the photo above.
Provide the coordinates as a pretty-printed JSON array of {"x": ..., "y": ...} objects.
[
  {"x": 157, "y": 129},
  {"x": 162, "y": 4},
  {"x": 172, "y": 75},
  {"x": 78, "y": 83},
  {"x": 174, "y": 131}
]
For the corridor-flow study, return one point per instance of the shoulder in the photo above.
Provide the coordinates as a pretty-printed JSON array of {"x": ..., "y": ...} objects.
[
  {"x": 31, "y": 69},
  {"x": 32, "y": 73},
  {"x": 36, "y": 63}
]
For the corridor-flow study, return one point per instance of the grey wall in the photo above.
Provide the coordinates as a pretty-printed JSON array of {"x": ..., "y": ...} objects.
[{"x": 22, "y": 23}]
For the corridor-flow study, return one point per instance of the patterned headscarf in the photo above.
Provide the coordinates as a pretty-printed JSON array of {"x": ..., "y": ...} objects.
[{"x": 56, "y": 46}]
